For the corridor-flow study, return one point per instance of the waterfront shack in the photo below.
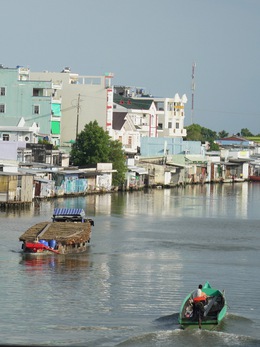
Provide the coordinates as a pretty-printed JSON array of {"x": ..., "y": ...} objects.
[{"x": 15, "y": 188}]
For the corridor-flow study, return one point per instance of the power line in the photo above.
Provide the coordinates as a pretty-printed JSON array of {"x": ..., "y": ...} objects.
[{"x": 229, "y": 112}]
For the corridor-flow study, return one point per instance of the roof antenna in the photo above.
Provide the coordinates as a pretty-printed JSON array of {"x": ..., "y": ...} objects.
[{"x": 192, "y": 90}]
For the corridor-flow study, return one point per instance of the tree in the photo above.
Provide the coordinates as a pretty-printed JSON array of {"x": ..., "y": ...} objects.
[
  {"x": 117, "y": 157},
  {"x": 213, "y": 146},
  {"x": 93, "y": 145},
  {"x": 246, "y": 133},
  {"x": 208, "y": 135},
  {"x": 222, "y": 134},
  {"x": 195, "y": 132}
]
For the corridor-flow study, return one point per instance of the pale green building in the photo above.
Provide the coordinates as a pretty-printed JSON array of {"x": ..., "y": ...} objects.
[{"x": 30, "y": 100}]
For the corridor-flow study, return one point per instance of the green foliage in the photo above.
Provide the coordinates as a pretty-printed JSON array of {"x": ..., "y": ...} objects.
[
  {"x": 46, "y": 142},
  {"x": 245, "y": 132},
  {"x": 195, "y": 132},
  {"x": 213, "y": 146},
  {"x": 222, "y": 134},
  {"x": 93, "y": 145},
  {"x": 208, "y": 135},
  {"x": 117, "y": 157},
  {"x": 254, "y": 138}
]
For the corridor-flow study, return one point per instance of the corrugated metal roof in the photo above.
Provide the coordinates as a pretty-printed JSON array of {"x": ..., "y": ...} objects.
[
  {"x": 196, "y": 158},
  {"x": 173, "y": 163},
  {"x": 139, "y": 170},
  {"x": 43, "y": 180}
]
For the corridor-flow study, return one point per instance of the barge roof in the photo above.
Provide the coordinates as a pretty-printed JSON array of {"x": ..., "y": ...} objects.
[{"x": 63, "y": 232}]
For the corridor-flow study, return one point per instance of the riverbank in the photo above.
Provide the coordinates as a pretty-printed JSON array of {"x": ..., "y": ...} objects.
[{"x": 19, "y": 205}]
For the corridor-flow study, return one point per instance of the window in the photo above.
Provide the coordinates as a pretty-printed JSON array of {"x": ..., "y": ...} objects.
[
  {"x": 160, "y": 106},
  {"x": 169, "y": 125},
  {"x": 36, "y": 109},
  {"x": 177, "y": 125},
  {"x": 56, "y": 110},
  {"x": 170, "y": 106},
  {"x": 5, "y": 137},
  {"x": 2, "y": 91},
  {"x": 2, "y": 108},
  {"x": 160, "y": 126},
  {"x": 37, "y": 92}
]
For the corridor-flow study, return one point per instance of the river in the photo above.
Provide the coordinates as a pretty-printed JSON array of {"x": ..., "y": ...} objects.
[{"x": 148, "y": 251}]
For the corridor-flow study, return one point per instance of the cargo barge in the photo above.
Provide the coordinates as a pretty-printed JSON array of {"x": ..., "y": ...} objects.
[{"x": 68, "y": 232}]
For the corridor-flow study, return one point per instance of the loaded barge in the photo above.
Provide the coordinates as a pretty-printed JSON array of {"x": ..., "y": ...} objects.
[{"x": 68, "y": 232}]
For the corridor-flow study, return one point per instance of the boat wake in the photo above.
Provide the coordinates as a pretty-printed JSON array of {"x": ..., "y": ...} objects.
[
  {"x": 171, "y": 319},
  {"x": 195, "y": 338}
]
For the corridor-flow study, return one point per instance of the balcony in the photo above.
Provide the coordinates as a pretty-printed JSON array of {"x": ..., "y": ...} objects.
[
  {"x": 175, "y": 132},
  {"x": 56, "y": 100},
  {"x": 57, "y": 85}
]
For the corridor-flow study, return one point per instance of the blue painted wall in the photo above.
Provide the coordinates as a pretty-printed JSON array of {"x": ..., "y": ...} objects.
[{"x": 155, "y": 146}]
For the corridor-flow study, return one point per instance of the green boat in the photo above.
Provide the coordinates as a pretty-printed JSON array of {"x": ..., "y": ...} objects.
[{"x": 213, "y": 309}]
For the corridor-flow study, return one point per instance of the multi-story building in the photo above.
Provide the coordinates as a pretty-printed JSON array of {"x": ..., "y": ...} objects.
[
  {"x": 25, "y": 106},
  {"x": 57, "y": 105},
  {"x": 84, "y": 99},
  {"x": 146, "y": 115}
]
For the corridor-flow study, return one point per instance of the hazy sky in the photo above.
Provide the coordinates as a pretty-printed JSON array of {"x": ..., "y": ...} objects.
[{"x": 150, "y": 44}]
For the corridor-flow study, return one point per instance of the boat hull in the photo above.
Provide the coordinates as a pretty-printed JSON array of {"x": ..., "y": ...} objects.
[
  {"x": 254, "y": 178},
  {"x": 36, "y": 248},
  {"x": 214, "y": 311}
]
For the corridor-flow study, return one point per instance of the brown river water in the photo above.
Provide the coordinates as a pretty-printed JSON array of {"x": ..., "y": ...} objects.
[{"x": 148, "y": 251}]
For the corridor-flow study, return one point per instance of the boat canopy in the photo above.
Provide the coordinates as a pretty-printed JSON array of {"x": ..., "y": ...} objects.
[{"x": 73, "y": 212}]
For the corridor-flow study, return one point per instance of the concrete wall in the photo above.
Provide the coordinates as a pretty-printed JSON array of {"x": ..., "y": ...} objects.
[
  {"x": 92, "y": 101},
  {"x": 19, "y": 99},
  {"x": 161, "y": 146},
  {"x": 8, "y": 150}
]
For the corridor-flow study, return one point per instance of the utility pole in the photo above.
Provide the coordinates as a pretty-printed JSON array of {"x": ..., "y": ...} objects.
[
  {"x": 77, "y": 124},
  {"x": 192, "y": 90}
]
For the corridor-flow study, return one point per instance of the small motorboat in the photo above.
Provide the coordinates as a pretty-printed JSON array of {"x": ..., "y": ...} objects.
[{"x": 213, "y": 308}]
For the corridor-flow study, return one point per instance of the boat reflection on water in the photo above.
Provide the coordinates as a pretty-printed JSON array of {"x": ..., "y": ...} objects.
[{"x": 61, "y": 263}]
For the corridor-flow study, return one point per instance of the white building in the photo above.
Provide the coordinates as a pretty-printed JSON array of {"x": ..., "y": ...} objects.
[{"x": 137, "y": 115}]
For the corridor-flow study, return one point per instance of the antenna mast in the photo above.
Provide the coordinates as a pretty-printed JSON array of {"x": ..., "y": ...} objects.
[
  {"x": 192, "y": 90},
  {"x": 77, "y": 123}
]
